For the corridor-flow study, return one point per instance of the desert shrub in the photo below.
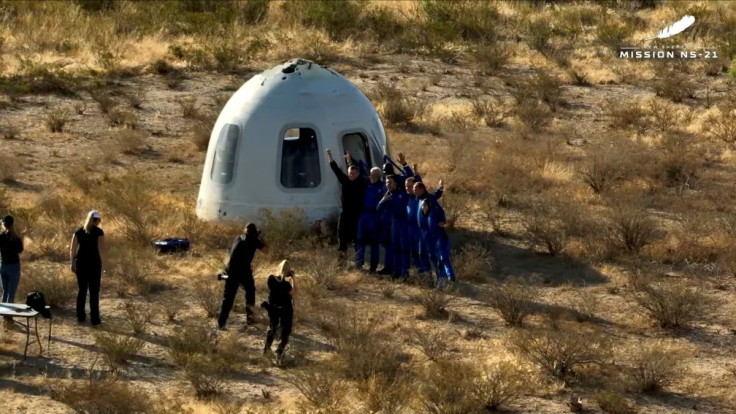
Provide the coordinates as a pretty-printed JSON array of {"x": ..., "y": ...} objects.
[
  {"x": 171, "y": 307},
  {"x": 56, "y": 119},
  {"x": 549, "y": 89},
  {"x": 513, "y": 299},
  {"x": 626, "y": 115},
  {"x": 103, "y": 99},
  {"x": 492, "y": 111},
  {"x": 59, "y": 286},
  {"x": 613, "y": 403},
  {"x": 560, "y": 353},
  {"x": 322, "y": 387},
  {"x": 456, "y": 206},
  {"x": 101, "y": 396},
  {"x": 385, "y": 393},
  {"x": 322, "y": 268},
  {"x": 191, "y": 340},
  {"x": 135, "y": 99},
  {"x": 585, "y": 304},
  {"x": 490, "y": 57},
  {"x": 138, "y": 316},
  {"x": 283, "y": 230},
  {"x": 363, "y": 349},
  {"x": 674, "y": 85},
  {"x": 462, "y": 20},
  {"x": 9, "y": 131},
  {"x": 612, "y": 35},
  {"x": 117, "y": 349},
  {"x": 549, "y": 225},
  {"x": 446, "y": 388},
  {"x": 655, "y": 367},
  {"x": 433, "y": 343},
  {"x": 130, "y": 264},
  {"x": 722, "y": 126},
  {"x": 663, "y": 114},
  {"x": 337, "y": 19},
  {"x": 62, "y": 210},
  {"x": 671, "y": 303},
  {"x": 128, "y": 141},
  {"x": 188, "y": 107},
  {"x": 199, "y": 135},
  {"x": 473, "y": 263},
  {"x": 398, "y": 112},
  {"x": 206, "y": 375},
  {"x": 539, "y": 33},
  {"x": 630, "y": 228},
  {"x": 605, "y": 168},
  {"x": 128, "y": 196},
  {"x": 533, "y": 114},
  {"x": 434, "y": 302},
  {"x": 8, "y": 167},
  {"x": 500, "y": 384},
  {"x": 208, "y": 295},
  {"x": 51, "y": 244},
  {"x": 122, "y": 118}
]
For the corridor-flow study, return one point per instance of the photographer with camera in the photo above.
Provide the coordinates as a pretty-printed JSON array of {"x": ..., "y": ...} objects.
[
  {"x": 239, "y": 272},
  {"x": 280, "y": 308}
]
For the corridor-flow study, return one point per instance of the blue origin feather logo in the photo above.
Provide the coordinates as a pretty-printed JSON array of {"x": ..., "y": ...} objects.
[{"x": 675, "y": 28}]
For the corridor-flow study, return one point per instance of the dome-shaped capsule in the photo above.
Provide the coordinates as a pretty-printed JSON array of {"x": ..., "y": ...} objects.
[{"x": 267, "y": 148}]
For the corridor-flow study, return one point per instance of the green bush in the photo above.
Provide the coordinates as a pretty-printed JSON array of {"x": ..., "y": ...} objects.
[{"x": 338, "y": 18}]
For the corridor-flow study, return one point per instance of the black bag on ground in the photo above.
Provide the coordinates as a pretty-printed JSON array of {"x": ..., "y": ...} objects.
[{"x": 37, "y": 302}]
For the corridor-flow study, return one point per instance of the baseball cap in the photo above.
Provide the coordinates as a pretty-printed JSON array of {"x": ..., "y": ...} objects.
[{"x": 95, "y": 214}]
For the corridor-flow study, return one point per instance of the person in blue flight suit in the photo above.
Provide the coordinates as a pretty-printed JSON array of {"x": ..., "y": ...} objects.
[
  {"x": 394, "y": 202},
  {"x": 369, "y": 230},
  {"x": 432, "y": 223},
  {"x": 384, "y": 216},
  {"x": 421, "y": 193}
]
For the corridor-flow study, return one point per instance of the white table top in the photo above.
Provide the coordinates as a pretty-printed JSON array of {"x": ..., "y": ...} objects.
[{"x": 17, "y": 309}]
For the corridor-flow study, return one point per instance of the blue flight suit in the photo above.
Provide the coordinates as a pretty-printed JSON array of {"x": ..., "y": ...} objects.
[
  {"x": 369, "y": 230},
  {"x": 385, "y": 221},
  {"x": 395, "y": 207},
  {"x": 435, "y": 238}
]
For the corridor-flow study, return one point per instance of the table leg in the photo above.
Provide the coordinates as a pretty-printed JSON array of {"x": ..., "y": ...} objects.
[
  {"x": 38, "y": 338},
  {"x": 28, "y": 337}
]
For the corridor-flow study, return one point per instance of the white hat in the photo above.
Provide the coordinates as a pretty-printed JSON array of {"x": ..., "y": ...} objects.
[
  {"x": 94, "y": 214},
  {"x": 284, "y": 269}
]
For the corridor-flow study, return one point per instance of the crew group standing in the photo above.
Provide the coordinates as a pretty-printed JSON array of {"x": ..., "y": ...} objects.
[{"x": 397, "y": 214}]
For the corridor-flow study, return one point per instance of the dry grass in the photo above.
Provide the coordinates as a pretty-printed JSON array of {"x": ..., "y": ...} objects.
[
  {"x": 434, "y": 302},
  {"x": 56, "y": 119},
  {"x": 655, "y": 367},
  {"x": 191, "y": 340},
  {"x": 117, "y": 350},
  {"x": 138, "y": 316},
  {"x": 101, "y": 396},
  {"x": 561, "y": 353},
  {"x": 323, "y": 389},
  {"x": 613, "y": 403},
  {"x": 208, "y": 295},
  {"x": 59, "y": 287},
  {"x": 474, "y": 262},
  {"x": 514, "y": 300},
  {"x": 672, "y": 303},
  {"x": 205, "y": 374},
  {"x": 502, "y": 383}
]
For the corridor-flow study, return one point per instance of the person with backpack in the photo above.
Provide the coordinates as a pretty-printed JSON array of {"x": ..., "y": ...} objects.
[
  {"x": 240, "y": 272},
  {"x": 87, "y": 255},
  {"x": 280, "y": 308},
  {"x": 11, "y": 245}
]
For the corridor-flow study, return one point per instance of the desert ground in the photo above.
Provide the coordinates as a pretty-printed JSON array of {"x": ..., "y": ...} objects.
[{"x": 590, "y": 204}]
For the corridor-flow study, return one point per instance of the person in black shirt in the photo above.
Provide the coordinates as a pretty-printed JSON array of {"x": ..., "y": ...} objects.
[
  {"x": 353, "y": 191},
  {"x": 11, "y": 245},
  {"x": 240, "y": 272},
  {"x": 280, "y": 308},
  {"x": 87, "y": 255}
]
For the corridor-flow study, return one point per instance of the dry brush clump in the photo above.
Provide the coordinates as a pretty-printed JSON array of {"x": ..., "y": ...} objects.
[
  {"x": 613, "y": 403},
  {"x": 550, "y": 225},
  {"x": 101, "y": 396},
  {"x": 434, "y": 302},
  {"x": 474, "y": 262},
  {"x": 606, "y": 168},
  {"x": 561, "y": 353},
  {"x": 722, "y": 125},
  {"x": 672, "y": 303},
  {"x": 208, "y": 295},
  {"x": 513, "y": 299},
  {"x": 626, "y": 115},
  {"x": 323, "y": 388},
  {"x": 389, "y": 394},
  {"x": 59, "y": 286},
  {"x": 433, "y": 343},
  {"x": 132, "y": 266},
  {"x": 138, "y": 316},
  {"x": 630, "y": 228},
  {"x": 206, "y": 375},
  {"x": 130, "y": 199},
  {"x": 654, "y": 367},
  {"x": 56, "y": 119},
  {"x": 501, "y": 383},
  {"x": 447, "y": 388},
  {"x": 117, "y": 350},
  {"x": 187, "y": 341}
]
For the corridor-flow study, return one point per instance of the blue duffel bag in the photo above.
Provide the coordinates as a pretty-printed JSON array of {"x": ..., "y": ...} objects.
[{"x": 172, "y": 245}]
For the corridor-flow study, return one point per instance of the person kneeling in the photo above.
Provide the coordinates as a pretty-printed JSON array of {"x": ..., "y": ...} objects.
[{"x": 280, "y": 308}]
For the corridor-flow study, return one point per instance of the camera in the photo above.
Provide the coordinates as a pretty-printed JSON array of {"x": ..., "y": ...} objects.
[{"x": 222, "y": 276}]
